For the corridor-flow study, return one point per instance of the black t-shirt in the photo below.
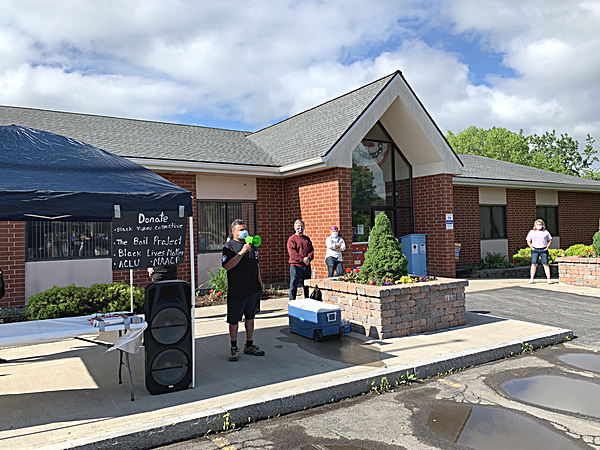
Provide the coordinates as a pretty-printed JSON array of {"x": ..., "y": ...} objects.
[{"x": 242, "y": 280}]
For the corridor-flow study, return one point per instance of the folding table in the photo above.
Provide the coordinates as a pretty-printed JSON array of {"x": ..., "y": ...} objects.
[{"x": 53, "y": 330}]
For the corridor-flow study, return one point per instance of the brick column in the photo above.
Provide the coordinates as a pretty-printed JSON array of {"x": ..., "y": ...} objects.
[
  {"x": 520, "y": 214},
  {"x": 466, "y": 224},
  {"x": 12, "y": 262},
  {"x": 578, "y": 214},
  {"x": 272, "y": 252},
  {"x": 321, "y": 199},
  {"x": 433, "y": 199}
]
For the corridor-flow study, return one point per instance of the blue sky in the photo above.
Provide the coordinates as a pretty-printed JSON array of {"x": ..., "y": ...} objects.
[{"x": 245, "y": 65}]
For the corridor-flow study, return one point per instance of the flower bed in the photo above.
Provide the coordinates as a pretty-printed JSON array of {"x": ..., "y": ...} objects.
[
  {"x": 579, "y": 271},
  {"x": 399, "y": 310}
]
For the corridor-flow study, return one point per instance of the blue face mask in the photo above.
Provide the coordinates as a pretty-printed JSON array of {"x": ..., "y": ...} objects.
[{"x": 243, "y": 234}]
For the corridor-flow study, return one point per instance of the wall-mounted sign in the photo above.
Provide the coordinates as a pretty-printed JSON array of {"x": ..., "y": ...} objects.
[
  {"x": 449, "y": 221},
  {"x": 148, "y": 239}
]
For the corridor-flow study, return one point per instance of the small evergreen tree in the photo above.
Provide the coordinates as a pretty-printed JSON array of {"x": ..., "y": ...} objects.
[
  {"x": 596, "y": 242},
  {"x": 384, "y": 258}
]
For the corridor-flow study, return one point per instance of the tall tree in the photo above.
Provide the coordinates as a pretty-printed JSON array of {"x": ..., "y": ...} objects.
[
  {"x": 562, "y": 154},
  {"x": 546, "y": 151},
  {"x": 496, "y": 143}
]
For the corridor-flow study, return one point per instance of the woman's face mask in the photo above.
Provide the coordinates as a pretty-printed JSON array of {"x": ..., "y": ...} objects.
[
  {"x": 539, "y": 227},
  {"x": 334, "y": 234},
  {"x": 299, "y": 230},
  {"x": 243, "y": 234}
]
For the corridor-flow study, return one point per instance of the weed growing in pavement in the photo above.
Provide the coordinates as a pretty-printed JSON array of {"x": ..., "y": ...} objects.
[
  {"x": 526, "y": 347},
  {"x": 406, "y": 379},
  {"x": 227, "y": 423}
]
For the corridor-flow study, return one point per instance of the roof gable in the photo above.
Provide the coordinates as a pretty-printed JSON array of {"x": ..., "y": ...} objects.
[{"x": 313, "y": 133}]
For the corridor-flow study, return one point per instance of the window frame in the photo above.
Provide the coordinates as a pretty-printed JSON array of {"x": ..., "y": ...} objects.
[
  {"x": 481, "y": 234},
  {"x": 227, "y": 225},
  {"x": 393, "y": 208},
  {"x": 69, "y": 231},
  {"x": 545, "y": 218}
]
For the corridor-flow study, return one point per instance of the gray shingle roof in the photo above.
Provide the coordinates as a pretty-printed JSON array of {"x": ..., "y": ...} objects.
[
  {"x": 479, "y": 167},
  {"x": 143, "y": 139},
  {"x": 311, "y": 134}
]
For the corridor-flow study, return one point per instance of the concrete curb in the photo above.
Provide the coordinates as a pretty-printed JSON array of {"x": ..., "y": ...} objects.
[{"x": 167, "y": 431}]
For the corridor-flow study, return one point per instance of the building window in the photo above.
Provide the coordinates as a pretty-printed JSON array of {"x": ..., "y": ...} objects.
[
  {"x": 549, "y": 214},
  {"x": 381, "y": 182},
  {"x": 214, "y": 222},
  {"x": 46, "y": 240},
  {"x": 492, "y": 221}
]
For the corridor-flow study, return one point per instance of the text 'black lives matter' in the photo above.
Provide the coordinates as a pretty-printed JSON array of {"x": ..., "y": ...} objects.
[{"x": 148, "y": 239}]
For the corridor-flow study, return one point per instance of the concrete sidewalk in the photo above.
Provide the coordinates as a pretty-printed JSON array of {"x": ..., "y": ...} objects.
[{"x": 66, "y": 394}]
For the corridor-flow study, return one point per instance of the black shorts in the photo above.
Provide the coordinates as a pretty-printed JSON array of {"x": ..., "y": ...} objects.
[{"x": 247, "y": 307}]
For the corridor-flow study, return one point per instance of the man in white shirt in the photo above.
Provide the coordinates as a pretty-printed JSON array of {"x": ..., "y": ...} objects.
[{"x": 333, "y": 255}]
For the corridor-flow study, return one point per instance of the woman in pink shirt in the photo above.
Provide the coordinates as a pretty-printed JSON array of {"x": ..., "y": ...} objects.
[{"x": 539, "y": 240}]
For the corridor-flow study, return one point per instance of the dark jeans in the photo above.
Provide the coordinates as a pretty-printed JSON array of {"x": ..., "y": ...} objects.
[
  {"x": 297, "y": 276},
  {"x": 334, "y": 264}
]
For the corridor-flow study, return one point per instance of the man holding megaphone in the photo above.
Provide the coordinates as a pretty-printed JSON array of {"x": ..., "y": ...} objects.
[{"x": 244, "y": 286}]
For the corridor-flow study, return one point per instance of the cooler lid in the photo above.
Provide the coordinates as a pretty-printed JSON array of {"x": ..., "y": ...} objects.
[{"x": 312, "y": 305}]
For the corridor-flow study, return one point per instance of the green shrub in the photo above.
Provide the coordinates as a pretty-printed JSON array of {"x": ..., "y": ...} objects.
[
  {"x": 71, "y": 301},
  {"x": 523, "y": 256},
  {"x": 384, "y": 258},
  {"x": 596, "y": 242},
  {"x": 218, "y": 281},
  {"x": 494, "y": 261},
  {"x": 578, "y": 249}
]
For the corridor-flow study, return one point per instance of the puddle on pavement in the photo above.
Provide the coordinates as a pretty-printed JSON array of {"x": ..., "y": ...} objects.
[
  {"x": 349, "y": 350},
  {"x": 586, "y": 361},
  {"x": 485, "y": 428},
  {"x": 331, "y": 447},
  {"x": 557, "y": 392}
]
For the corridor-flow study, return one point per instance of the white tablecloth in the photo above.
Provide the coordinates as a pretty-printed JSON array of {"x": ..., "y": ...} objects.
[{"x": 52, "y": 330}]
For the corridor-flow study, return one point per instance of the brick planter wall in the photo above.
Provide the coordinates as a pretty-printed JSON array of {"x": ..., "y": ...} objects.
[
  {"x": 391, "y": 311},
  {"x": 579, "y": 271}
]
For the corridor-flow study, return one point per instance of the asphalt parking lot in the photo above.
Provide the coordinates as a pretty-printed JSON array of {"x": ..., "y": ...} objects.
[{"x": 455, "y": 410}]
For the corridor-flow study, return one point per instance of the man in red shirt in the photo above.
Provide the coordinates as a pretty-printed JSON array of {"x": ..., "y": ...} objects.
[{"x": 301, "y": 253}]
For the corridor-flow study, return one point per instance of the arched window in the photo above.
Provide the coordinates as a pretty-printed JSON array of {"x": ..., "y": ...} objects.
[{"x": 381, "y": 182}]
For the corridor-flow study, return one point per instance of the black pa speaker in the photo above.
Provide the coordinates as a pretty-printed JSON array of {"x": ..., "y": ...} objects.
[{"x": 168, "y": 338}]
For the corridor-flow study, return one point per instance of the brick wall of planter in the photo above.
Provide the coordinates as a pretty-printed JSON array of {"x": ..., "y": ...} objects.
[
  {"x": 391, "y": 311},
  {"x": 579, "y": 271}
]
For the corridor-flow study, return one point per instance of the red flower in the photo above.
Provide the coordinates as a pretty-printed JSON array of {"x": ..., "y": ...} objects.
[
  {"x": 348, "y": 270},
  {"x": 357, "y": 270},
  {"x": 219, "y": 293},
  {"x": 211, "y": 291},
  {"x": 588, "y": 251},
  {"x": 372, "y": 283}
]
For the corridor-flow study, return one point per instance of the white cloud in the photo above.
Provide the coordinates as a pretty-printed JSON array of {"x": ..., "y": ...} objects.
[{"x": 257, "y": 62}]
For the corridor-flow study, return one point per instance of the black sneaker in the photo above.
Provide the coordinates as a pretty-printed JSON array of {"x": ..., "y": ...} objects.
[
  {"x": 253, "y": 350},
  {"x": 234, "y": 353}
]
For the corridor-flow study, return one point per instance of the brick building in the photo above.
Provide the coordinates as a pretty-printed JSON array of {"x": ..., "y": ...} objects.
[{"x": 375, "y": 149}]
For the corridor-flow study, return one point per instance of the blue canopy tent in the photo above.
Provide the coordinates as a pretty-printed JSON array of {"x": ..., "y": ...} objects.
[{"x": 45, "y": 176}]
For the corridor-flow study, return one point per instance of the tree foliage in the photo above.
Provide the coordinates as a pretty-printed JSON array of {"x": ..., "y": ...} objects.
[
  {"x": 547, "y": 151},
  {"x": 495, "y": 143},
  {"x": 384, "y": 258}
]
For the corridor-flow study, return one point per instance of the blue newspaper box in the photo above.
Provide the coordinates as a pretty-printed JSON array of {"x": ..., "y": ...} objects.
[
  {"x": 413, "y": 247},
  {"x": 315, "y": 320}
]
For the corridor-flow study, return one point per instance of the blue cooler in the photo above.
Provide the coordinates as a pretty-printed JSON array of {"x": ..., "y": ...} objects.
[{"x": 315, "y": 320}]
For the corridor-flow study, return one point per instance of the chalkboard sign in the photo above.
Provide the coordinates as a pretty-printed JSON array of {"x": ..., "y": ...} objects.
[{"x": 148, "y": 239}]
